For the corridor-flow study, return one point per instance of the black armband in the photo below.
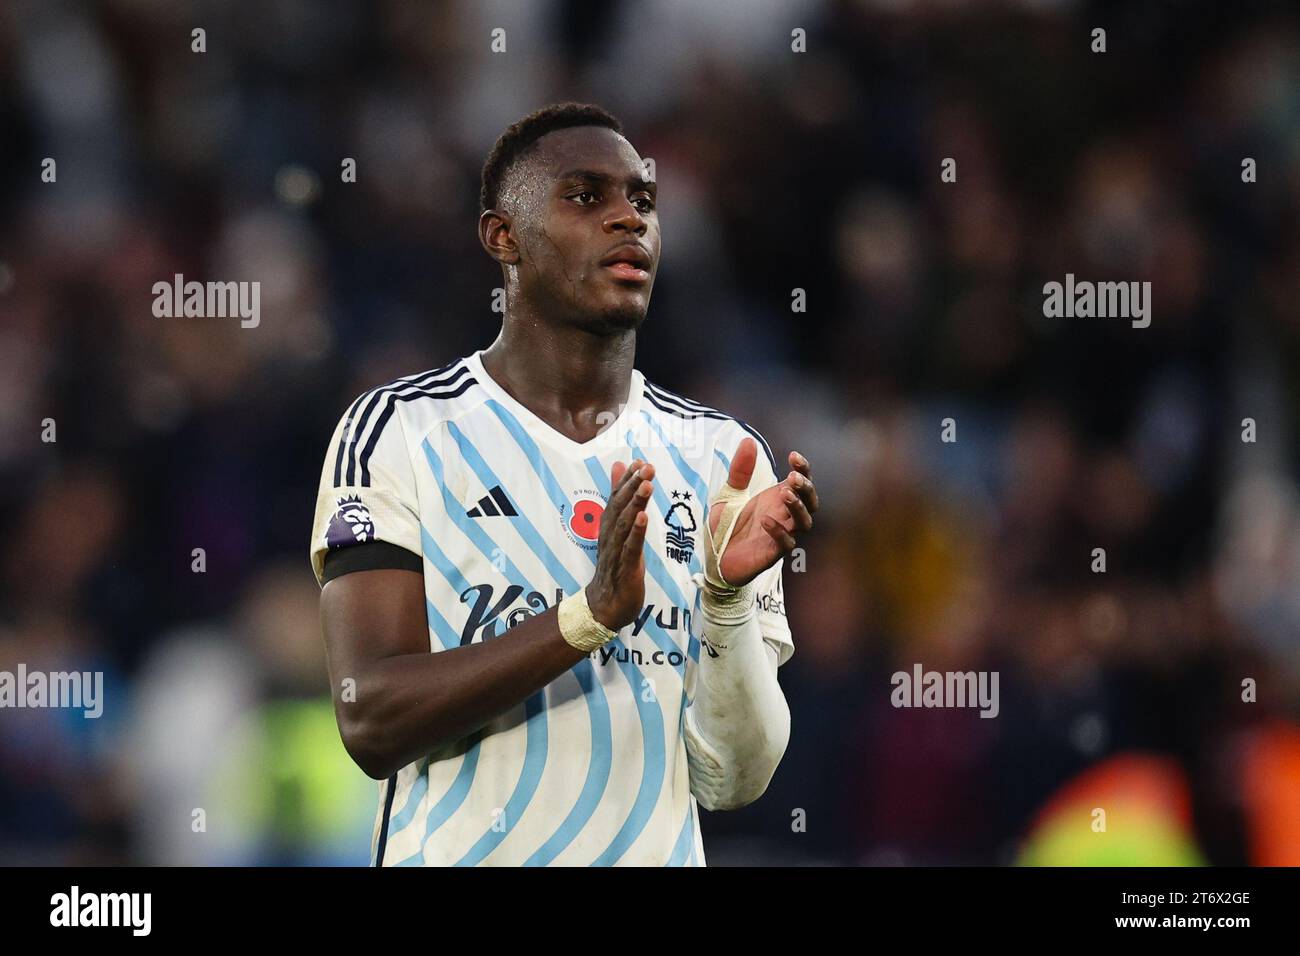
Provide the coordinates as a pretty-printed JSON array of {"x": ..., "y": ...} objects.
[{"x": 369, "y": 557}]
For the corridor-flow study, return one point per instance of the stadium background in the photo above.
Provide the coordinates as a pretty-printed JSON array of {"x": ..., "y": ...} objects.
[{"x": 777, "y": 171}]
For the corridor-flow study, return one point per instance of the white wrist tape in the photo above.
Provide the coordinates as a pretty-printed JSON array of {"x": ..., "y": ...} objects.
[
  {"x": 721, "y": 602},
  {"x": 578, "y": 627},
  {"x": 726, "y": 608}
]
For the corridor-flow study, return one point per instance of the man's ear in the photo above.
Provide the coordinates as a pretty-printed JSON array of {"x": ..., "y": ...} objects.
[{"x": 496, "y": 234}]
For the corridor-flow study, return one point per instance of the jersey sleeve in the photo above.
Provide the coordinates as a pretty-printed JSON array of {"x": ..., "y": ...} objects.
[
  {"x": 771, "y": 612},
  {"x": 768, "y": 587},
  {"x": 366, "y": 517}
]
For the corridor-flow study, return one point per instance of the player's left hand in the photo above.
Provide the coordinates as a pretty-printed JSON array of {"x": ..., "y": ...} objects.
[{"x": 765, "y": 529}]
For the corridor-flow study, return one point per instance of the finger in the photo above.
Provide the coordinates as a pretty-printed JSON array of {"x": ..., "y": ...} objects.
[
  {"x": 635, "y": 505},
  {"x": 620, "y": 496},
  {"x": 641, "y": 474},
  {"x": 638, "y": 488},
  {"x": 635, "y": 540},
  {"x": 798, "y": 510},
  {"x": 625, "y": 475},
  {"x": 801, "y": 464},
  {"x": 778, "y": 533},
  {"x": 742, "y": 464},
  {"x": 621, "y": 476},
  {"x": 803, "y": 486}
]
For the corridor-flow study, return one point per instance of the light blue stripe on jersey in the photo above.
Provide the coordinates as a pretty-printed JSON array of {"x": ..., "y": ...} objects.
[
  {"x": 448, "y": 637},
  {"x": 661, "y": 572},
  {"x": 471, "y": 529},
  {"x": 525, "y": 788},
  {"x": 534, "y": 760},
  {"x": 694, "y": 480},
  {"x": 689, "y": 826},
  {"x": 602, "y": 744},
  {"x": 450, "y": 802},
  {"x": 593, "y": 788},
  {"x": 685, "y": 841},
  {"x": 533, "y": 453},
  {"x": 664, "y": 504},
  {"x": 554, "y": 566},
  {"x": 690, "y": 474},
  {"x": 657, "y": 566},
  {"x": 443, "y": 563},
  {"x": 402, "y": 820},
  {"x": 534, "y": 706},
  {"x": 648, "y": 793}
]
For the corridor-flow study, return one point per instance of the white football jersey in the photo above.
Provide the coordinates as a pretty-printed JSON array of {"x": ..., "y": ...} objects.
[{"x": 502, "y": 512}]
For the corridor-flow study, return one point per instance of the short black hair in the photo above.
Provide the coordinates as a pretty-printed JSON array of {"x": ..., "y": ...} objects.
[{"x": 520, "y": 137}]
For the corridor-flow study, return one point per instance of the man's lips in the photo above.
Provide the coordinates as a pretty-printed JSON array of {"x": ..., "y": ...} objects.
[
  {"x": 630, "y": 262},
  {"x": 627, "y": 272}
]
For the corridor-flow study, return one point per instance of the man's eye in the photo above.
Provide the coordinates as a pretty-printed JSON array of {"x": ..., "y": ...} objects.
[
  {"x": 648, "y": 204},
  {"x": 585, "y": 192}
]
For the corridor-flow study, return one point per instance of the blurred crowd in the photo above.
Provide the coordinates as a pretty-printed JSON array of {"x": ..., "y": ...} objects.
[{"x": 778, "y": 171}]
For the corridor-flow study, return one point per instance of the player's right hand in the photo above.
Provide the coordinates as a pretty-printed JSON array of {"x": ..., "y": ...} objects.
[{"x": 617, "y": 590}]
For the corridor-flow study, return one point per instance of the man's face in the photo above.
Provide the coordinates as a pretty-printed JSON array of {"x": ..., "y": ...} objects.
[{"x": 582, "y": 199}]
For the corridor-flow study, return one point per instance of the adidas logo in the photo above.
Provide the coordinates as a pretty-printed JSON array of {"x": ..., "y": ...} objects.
[{"x": 492, "y": 504}]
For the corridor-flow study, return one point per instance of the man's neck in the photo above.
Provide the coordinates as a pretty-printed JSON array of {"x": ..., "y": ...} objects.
[{"x": 573, "y": 380}]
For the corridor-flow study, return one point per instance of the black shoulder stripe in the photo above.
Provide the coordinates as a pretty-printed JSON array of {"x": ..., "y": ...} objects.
[
  {"x": 704, "y": 412},
  {"x": 345, "y": 440},
  {"x": 374, "y": 396},
  {"x": 387, "y": 413},
  {"x": 682, "y": 412},
  {"x": 674, "y": 399},
  {"x": 377, "y": 395}
]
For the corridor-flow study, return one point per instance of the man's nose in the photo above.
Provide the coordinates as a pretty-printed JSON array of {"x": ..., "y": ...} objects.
[{"x": 627, "y": 217}]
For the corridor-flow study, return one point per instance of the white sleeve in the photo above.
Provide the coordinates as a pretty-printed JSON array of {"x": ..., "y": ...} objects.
[
  {"x": 770, "y": 596},
  {"x": 367, "y": 489},
  {"x": 738, "y": 725}
]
